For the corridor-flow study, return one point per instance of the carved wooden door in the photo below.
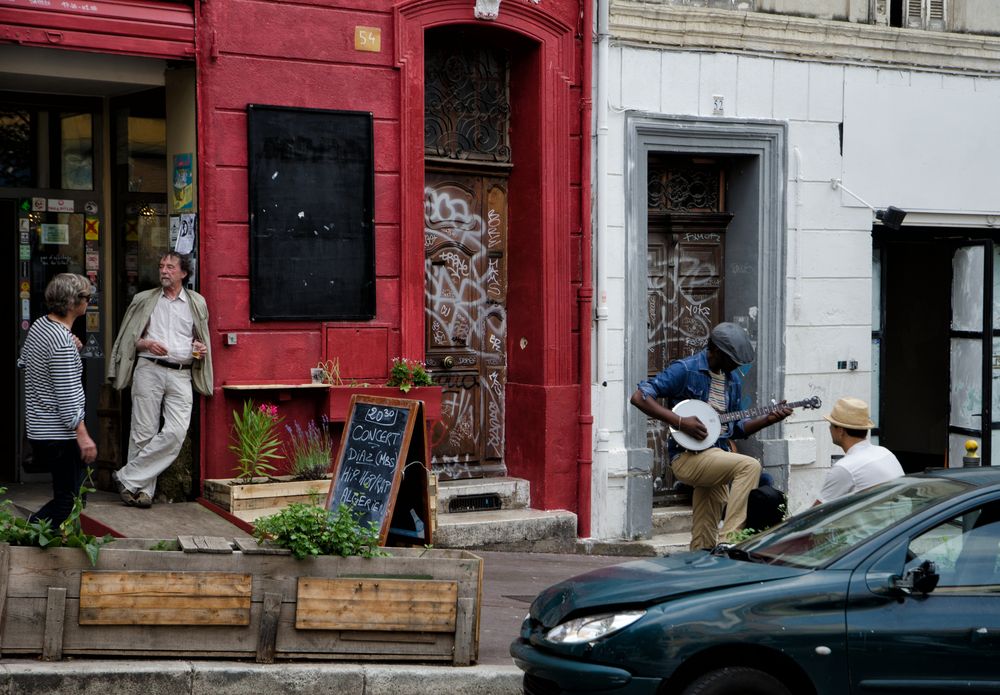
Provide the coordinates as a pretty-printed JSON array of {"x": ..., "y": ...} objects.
[
  {"x": 685, "y": 272},
  {"x": 465, "y": 240}
]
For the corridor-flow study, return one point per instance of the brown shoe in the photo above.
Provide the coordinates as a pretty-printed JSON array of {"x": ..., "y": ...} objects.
[
  {"x": 143, "y": 501},
  {"x": 128, "y": 497}
]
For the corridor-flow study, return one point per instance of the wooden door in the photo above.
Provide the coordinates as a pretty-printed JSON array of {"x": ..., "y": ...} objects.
[
  {"x": 465, "y": 240},
  {"x": 685, "y": 254}
]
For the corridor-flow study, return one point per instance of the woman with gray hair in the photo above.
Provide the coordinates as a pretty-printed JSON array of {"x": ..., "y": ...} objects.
[{"x": 53, "y": 394}]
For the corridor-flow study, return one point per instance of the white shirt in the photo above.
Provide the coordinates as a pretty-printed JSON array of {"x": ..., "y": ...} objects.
[
  {"x": 172, "y": 324},
  {"x": 865, "y": 464}
]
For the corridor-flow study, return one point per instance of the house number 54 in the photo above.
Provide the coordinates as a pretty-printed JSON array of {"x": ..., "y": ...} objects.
[{"x": 368, "y": 39}]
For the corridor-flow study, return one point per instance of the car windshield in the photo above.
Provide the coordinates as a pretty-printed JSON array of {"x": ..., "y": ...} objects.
[{"x": 821, "y": 535}]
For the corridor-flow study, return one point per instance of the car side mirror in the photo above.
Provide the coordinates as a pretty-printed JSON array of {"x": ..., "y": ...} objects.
[{"x": 922, "y": 579}]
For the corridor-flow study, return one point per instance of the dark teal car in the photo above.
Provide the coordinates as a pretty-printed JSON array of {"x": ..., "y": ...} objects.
[{"x": 893, "y": 590}]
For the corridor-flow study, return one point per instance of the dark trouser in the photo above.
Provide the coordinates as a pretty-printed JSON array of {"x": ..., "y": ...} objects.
[{"x": 62, "y": 458}]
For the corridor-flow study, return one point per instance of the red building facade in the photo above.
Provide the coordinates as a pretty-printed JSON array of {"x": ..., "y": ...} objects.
[{"x": 529, "y": 306}]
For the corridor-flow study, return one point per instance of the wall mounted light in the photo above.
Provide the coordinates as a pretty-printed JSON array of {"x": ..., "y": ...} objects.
[{"x": 891, "y": 217}]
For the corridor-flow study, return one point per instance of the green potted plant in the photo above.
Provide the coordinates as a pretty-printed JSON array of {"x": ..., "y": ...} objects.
[{"x": 254, "y": 440}]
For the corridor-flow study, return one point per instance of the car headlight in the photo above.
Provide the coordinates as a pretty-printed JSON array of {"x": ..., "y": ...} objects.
[{"x": 592, "y": 627}]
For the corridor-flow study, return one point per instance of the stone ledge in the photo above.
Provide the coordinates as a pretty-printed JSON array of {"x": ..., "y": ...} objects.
[{"x": 643, "y": 24}]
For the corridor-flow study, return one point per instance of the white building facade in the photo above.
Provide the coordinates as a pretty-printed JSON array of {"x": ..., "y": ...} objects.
[{"x": 740, "y": 157}]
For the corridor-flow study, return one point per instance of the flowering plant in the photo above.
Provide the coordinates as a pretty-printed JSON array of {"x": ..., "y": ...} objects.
[
  {"x": 408, "y": 373},
  {"x": 309, "y": 450},
  {"x": 255, "y": 440}
]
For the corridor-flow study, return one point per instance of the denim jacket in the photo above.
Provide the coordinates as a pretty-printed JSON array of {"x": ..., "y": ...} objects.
[{"x": 690, "y": 377}]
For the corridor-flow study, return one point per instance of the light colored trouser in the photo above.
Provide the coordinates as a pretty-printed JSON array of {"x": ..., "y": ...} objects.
[
  {"x": 150, "y": 449},
  {"x": 710, "y": 473}
]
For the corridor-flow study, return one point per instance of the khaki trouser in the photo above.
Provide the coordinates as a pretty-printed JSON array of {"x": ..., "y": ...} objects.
[
  {"x": 156, "y": 390},
  {"x": 720, "y": 479}
]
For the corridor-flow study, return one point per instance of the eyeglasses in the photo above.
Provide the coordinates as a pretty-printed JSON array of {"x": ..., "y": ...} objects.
[{"x": 83, "y": 295}]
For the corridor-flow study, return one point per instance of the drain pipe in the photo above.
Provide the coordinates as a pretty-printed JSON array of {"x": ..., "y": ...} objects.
[
  {"x": 585, "y": 295},
  {"x": 600, "y": 211}
]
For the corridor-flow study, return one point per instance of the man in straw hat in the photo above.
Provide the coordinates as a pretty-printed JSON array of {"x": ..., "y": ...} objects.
[
  {"x": 865, "y": 464},
  {"x": 719, "y": 476}
]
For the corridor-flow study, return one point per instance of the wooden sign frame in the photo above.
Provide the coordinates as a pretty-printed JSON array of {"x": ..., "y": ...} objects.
[{"x": 409, "y": 472}]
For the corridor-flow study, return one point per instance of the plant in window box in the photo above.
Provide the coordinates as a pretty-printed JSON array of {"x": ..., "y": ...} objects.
[{"x": 405, "y": 374}]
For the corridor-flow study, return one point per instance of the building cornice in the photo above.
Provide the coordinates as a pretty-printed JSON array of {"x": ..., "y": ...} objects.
[{"x": 657, "y": 25}]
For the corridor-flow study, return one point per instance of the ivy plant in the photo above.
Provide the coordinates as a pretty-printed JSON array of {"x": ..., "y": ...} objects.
[
  {"x": 309, "y": 530},
  {"x": 40, "y": 533}
]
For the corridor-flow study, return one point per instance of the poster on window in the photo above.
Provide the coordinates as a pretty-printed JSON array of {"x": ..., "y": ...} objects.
[
  {"x": 55, "y": 234},
  {"x": 183, "y": 179}
]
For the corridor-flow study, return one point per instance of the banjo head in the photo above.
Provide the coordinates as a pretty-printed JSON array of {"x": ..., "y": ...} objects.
[{"x": 704, "y": 412}]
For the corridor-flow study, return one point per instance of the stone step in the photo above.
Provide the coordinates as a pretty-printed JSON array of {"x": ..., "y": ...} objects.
[
  {"x": 522, "y": 530},
  {"x": 671, "y": 520},
  {"x": 509, "y": 493},
  {"x": 657, "y": 546}
]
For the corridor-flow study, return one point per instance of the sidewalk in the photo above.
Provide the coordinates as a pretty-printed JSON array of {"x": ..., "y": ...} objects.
[{"x": 510, "y": 583}]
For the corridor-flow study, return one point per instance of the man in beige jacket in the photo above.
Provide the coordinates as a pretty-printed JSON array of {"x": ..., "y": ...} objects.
[{"x": 161, "y": 350}]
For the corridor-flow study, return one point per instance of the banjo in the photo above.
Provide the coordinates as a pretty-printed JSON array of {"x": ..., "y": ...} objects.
[{"x": 714, "y": 421}]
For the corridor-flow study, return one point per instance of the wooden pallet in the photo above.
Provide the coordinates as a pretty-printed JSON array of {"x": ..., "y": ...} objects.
[{"x": 209, "y": 597}]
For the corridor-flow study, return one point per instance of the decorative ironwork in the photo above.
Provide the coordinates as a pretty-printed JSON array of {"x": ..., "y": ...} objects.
[
  {"x": 689, "y": 188},
  {"x": 466, "y": 102}
]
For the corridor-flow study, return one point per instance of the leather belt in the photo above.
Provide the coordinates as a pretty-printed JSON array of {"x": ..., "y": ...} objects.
[{"x": 165, "y": 363}]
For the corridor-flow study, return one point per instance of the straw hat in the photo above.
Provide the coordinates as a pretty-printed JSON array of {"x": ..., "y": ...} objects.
[{"x": 850, "y": 413}]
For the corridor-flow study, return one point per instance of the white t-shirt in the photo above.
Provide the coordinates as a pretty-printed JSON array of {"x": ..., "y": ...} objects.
[{"x": 865, "y": 464}]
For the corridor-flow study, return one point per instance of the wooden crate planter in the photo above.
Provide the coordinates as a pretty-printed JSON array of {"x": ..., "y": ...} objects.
[
  {"x": 268, "y": 495},
  {"x": 215, "y": 601}
]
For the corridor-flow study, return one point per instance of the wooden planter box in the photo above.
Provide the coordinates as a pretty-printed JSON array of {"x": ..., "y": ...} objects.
[
  {"x": 214, "y": 601},
  {"x": 339, "y": 399},
  {"x": 264, "y": 494}
]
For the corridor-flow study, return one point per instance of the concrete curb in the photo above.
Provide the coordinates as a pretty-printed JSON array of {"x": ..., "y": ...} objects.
[{"x": 169, "y": 677}]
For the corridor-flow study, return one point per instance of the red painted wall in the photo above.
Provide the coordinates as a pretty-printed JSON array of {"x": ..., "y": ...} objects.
[{"x": 303, "y": 54}]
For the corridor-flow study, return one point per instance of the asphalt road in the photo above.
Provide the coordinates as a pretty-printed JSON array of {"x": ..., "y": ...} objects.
[{"x": 510, "y": 582}]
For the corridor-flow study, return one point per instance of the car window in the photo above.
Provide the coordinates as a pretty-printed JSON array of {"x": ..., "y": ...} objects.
[
  {"x": 965, "y": 550},
  {"x": 823, "y": 534}
]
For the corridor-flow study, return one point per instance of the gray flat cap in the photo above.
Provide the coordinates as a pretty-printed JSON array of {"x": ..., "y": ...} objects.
[{"x": 734, "y": 342}]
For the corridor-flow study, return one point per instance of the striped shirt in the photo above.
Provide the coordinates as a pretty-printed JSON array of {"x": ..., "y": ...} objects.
[
  {"x": 53, "y": 391},
  {"x": 717, "y": 392}
]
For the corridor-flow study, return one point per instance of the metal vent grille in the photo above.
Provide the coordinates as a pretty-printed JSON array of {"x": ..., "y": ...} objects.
[{"x": 475, "y": 503}]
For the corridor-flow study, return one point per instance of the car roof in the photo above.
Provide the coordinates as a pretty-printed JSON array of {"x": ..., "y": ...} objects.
[{"x": 980, "y": 476}]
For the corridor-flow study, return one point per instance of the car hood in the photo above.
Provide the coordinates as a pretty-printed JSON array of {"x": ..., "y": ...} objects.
[{"x": 645, "y": 582}]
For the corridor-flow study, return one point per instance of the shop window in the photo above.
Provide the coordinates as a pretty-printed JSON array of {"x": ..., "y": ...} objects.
[
  {"x": 17, "y": 149},
  {"x": 76, "y": 151},
  {"x": 41, "y": 148}
]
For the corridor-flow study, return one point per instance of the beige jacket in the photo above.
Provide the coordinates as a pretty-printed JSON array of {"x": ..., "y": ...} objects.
[{"x": 134, "y": 324}]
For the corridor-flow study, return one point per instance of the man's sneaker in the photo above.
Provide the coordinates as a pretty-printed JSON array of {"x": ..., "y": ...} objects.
[
  {"x": 128, "y": 497},
  {"x": 143, "y": 501}
]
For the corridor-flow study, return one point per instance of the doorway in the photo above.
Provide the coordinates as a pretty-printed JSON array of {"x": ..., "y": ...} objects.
[
  {"x": 686, "y": 252},
  {"x": 468, "y": 161},
  {"x": 50, "y": 198},
  {"x": 935, "y": 348}
]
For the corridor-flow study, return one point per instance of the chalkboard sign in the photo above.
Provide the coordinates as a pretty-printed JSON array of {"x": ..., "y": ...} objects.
[
  {"x": 382, "y": 457},
  {"x": 311, "y": 185}
]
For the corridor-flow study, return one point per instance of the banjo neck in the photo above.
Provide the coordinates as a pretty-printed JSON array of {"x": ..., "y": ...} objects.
[{"x": 758, "y": 411}]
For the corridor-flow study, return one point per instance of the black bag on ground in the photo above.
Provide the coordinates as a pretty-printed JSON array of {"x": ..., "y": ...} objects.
[{"x": 765, "y": 507}]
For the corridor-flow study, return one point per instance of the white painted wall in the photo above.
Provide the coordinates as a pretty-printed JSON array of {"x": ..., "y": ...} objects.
[{"x": 919, "y": 139}]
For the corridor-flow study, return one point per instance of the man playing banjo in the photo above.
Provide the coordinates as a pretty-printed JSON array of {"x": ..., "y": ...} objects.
[{"x": 719, "y": 476}]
